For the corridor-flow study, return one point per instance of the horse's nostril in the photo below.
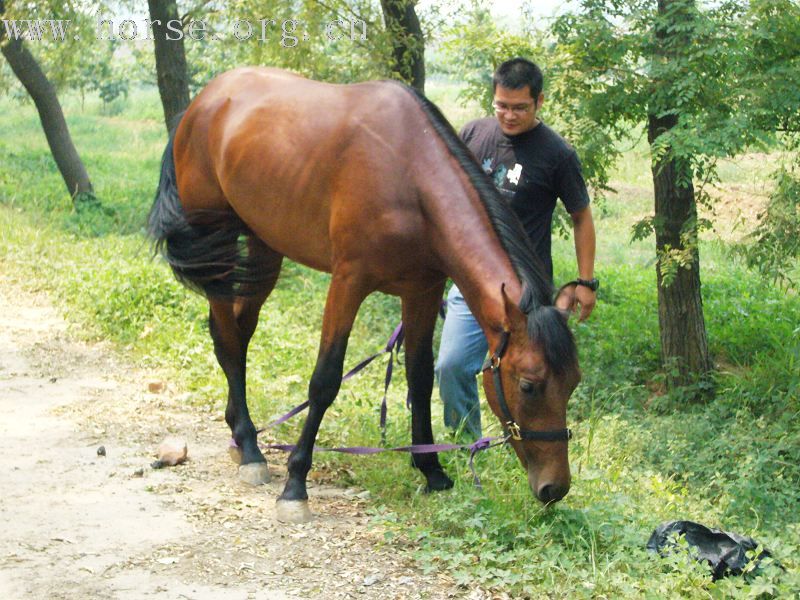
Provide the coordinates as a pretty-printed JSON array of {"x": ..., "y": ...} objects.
[{"x": 551, "y": 493}]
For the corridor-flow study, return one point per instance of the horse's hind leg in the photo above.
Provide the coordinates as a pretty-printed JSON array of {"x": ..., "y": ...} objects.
[
  {"x": 230, "y": 347},
  {"x": 232, "y": 324},
  {"x": 419, "y": 319}
]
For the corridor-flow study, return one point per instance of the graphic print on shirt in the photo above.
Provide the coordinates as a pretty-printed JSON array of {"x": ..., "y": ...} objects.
[
  {"x": 513, "y": 174},
  {"x": 504, "y": 180},
  {"x": 499, "y": 176}
]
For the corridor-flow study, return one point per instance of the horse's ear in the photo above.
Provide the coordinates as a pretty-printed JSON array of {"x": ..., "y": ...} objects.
[{"x": 514, "y": 318}]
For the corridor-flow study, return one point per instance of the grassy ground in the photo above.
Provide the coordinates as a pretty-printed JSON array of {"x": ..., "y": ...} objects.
[{"x": 639, "y": 457}]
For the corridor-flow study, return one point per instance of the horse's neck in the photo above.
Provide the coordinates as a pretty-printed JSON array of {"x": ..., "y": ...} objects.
[{"x": 472, "y": 254}]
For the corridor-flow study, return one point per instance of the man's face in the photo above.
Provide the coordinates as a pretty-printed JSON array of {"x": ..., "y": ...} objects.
[{"x": 516, "y": 109}]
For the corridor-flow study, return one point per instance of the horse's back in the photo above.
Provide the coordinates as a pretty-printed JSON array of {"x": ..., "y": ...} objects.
[{"x": 301, "y": 162}]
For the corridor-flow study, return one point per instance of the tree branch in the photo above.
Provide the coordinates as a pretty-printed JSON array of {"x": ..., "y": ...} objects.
[{"x": 338, "y": 12}]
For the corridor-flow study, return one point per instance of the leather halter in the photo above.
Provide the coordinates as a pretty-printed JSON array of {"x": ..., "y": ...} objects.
[{"x": 511, "y": 428}]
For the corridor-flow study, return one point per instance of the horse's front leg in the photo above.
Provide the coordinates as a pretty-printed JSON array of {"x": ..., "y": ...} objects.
[
  {"x": 345, "y": 295},
  {"x": 419, "y": 319}
]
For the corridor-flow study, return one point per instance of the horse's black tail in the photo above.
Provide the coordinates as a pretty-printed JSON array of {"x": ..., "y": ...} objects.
[{"x": 210, "y": 251}]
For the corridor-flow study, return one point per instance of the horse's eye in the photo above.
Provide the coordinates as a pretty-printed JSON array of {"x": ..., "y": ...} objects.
[{"x": 526, "y": 387}]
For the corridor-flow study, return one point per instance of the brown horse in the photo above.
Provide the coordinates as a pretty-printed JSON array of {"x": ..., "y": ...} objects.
[{"x": 368, "y": 182}]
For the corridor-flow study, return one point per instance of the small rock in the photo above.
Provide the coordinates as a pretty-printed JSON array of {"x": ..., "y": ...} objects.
[
  {"x": 172, "y": 451},
  {"x": 371, "y": 579},
  {"x": 138, "y": 473},
  {"x": 101, "y": 451}
]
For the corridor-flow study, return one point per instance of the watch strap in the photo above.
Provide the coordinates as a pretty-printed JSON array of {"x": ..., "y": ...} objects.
[{"x": 592, "y": 284}]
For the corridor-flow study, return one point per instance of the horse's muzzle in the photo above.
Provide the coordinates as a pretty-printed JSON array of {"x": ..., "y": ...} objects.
[
  {"x": 551, "y": 493},
  {"x": 548, "y": 489}
]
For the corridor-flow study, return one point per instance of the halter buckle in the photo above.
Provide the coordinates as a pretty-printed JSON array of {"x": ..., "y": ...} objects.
[
  {"x": 514, "y": 431},
  {"x": 495, "y": 362}
]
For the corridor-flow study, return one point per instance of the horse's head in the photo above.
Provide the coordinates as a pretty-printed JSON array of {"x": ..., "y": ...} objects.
[{"x": 528, "y": 380}]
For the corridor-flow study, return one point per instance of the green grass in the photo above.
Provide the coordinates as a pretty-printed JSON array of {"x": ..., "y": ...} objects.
[{"x": 639, "y": 456}]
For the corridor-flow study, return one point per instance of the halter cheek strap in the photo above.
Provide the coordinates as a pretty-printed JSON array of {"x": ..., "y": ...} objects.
[{"x": 511, "y": 428}]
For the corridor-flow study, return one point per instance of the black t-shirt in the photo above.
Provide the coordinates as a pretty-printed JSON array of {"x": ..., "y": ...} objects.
[{"x": 530, "y": 170}]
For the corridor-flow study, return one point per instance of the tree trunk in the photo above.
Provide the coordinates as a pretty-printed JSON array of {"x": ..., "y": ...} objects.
[
  {"x": 408, "y": 43},
  {"x": 27, "y": 70},
  {"x": 173, "y": 80},
  {"x": 684, "y": 344}
]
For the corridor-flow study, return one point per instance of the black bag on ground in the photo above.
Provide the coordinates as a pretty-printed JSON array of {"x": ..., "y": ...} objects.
[{"x": 724, "y": 551}]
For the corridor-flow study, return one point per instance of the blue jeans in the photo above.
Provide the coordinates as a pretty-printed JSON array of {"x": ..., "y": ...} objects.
[{"x": 461, "y": 354}]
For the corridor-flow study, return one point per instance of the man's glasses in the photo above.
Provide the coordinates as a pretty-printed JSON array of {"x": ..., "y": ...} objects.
[{"x": 517, "y": 109}]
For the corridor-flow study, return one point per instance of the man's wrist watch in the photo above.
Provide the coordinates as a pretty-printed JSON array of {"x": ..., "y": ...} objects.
[{"x": 592, "y": 284}]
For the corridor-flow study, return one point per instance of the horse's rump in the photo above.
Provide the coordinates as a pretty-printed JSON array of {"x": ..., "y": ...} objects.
[{"x": 210, "y": 251}]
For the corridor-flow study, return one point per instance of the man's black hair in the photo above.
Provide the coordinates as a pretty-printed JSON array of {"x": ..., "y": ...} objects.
[{"x": 518, "y": 72}]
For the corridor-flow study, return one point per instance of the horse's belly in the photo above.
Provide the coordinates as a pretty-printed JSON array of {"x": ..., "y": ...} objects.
[
  {"x": 294, "y": 234},
  {"x": 376, "y": 249}
]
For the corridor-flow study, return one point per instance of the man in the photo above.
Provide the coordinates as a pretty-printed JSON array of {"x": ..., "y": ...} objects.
[{"x": 531, "y": 165}]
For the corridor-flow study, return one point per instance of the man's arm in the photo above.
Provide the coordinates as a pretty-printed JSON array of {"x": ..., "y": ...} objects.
[{"x": 583, "y": 230}]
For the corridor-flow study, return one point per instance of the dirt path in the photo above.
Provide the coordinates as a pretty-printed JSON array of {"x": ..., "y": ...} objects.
[{"x": 77, "y": 525}]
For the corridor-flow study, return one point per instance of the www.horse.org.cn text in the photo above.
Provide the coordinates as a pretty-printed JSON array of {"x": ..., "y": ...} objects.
[{"x": 288, "y": 33}]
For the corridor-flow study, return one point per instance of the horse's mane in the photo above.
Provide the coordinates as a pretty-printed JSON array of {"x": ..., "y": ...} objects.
[{"x": 546, "y": 324}]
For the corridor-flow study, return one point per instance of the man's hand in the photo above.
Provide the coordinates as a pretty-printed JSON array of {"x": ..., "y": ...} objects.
[
  {"x": 584, "y": 251},
  {"x": 586, "y": 298},
  {"x": 573, "y": 296}
]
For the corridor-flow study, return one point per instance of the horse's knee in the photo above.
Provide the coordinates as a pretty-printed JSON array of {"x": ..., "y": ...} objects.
[{"x": 323, "y": 386}]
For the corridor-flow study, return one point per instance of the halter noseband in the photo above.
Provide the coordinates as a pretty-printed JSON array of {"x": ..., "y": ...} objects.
[{"x": 512, "y": 429}]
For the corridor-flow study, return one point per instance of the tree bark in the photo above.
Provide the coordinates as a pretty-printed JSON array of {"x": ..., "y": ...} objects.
[
  {"x": 173, "y": 78},
  {"x": 684, "y": 343},
  {"x": 30, "y": 74},
  {"x": 408, "y": 43}
]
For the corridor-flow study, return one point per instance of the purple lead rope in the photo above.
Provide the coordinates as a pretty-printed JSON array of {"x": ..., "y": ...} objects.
[
  {"x": 483, "y": 443},
  {"x": 392, "y": 347}
]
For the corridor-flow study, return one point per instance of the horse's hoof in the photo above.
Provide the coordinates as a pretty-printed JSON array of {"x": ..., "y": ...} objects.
[
  {"x": 438, "y": 481},
  {"x": 254, "y": 473},
  {"x": 292, "y": 511},
  {"x": 235, "y": 453}
]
